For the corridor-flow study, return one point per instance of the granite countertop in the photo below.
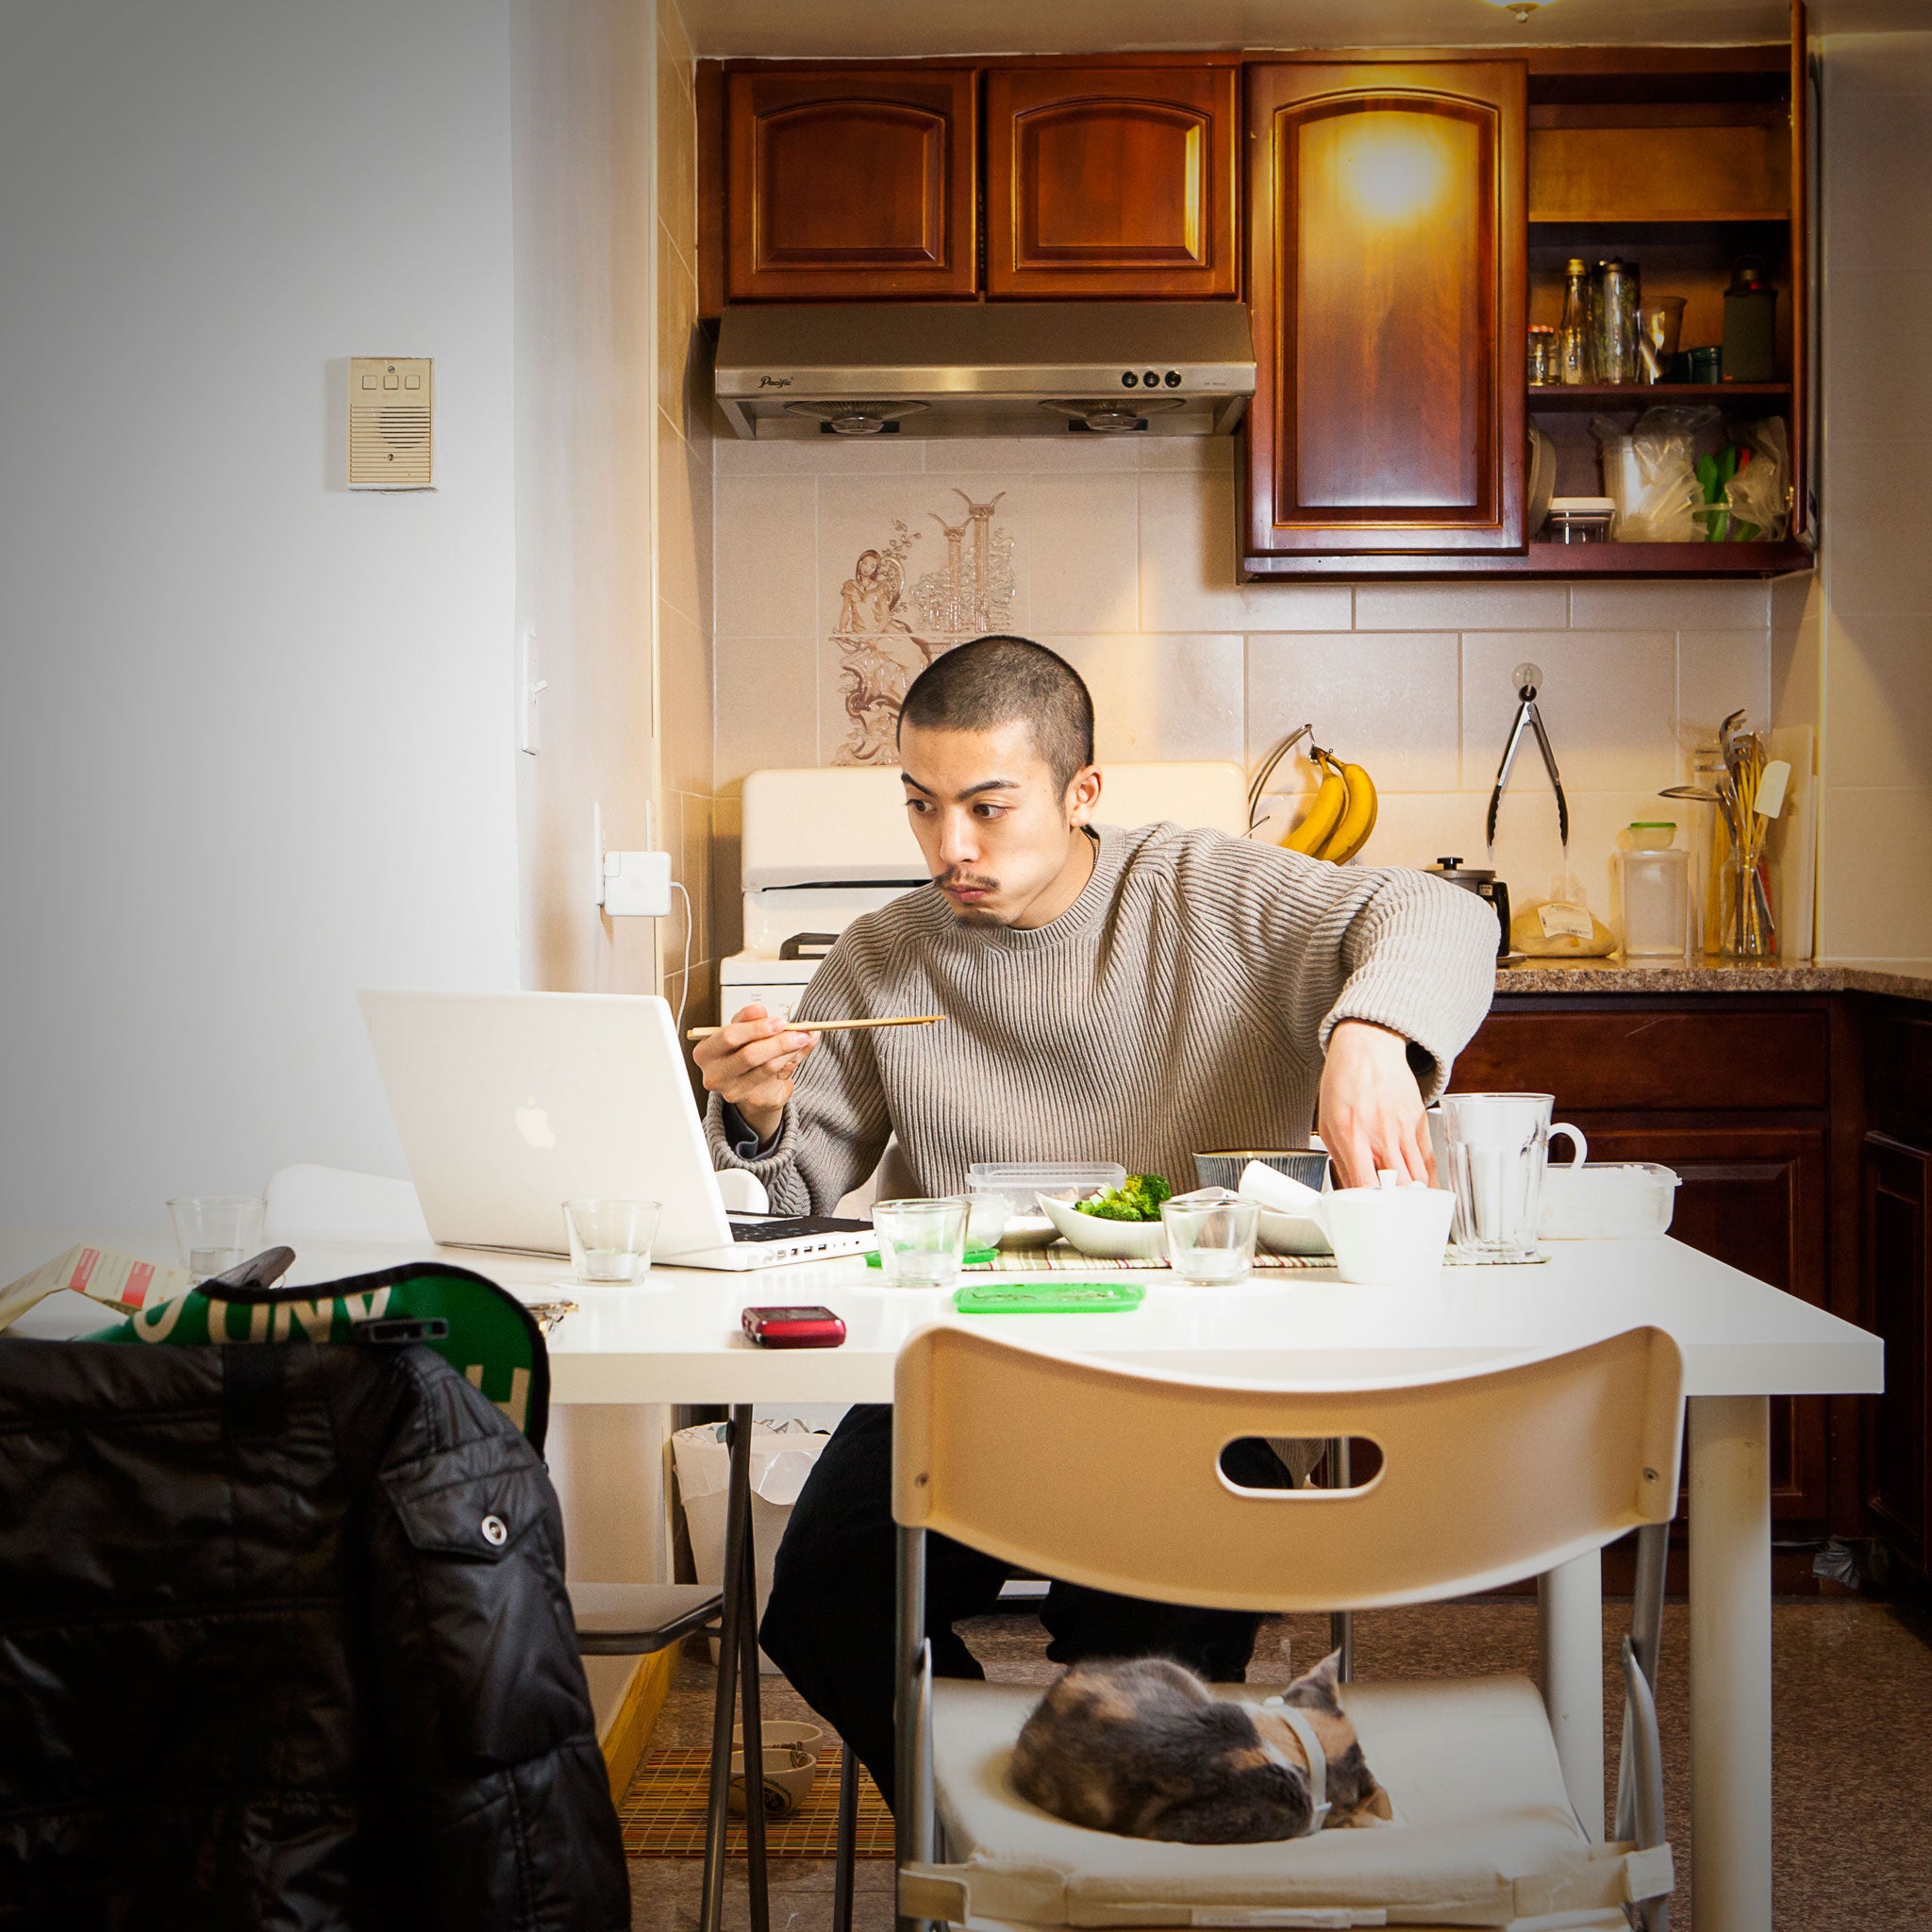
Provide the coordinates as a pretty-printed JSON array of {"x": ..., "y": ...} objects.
[{"x": 1903, "y": 978}]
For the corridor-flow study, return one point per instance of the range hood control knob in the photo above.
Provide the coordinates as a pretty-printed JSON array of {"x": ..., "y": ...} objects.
[
  {"x": 1151, "y": 380},
  {"x": 1129, "y": 380},
  {"x": 1174, "y": 378}
]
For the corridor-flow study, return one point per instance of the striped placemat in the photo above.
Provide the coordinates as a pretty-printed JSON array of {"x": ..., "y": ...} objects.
[
  {"x": 662, "y": 1815},
  {"x": 1063, "y": 1259}
]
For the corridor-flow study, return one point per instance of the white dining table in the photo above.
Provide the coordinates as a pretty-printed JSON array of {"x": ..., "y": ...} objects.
[{"x": 676, "y": 1338}]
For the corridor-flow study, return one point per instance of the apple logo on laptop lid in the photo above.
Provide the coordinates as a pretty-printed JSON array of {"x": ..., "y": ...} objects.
[{"x": 533, "y": 1124}]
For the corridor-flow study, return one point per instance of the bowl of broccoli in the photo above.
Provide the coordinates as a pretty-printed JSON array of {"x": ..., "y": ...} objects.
[{"x": 1119, "y": 1223}]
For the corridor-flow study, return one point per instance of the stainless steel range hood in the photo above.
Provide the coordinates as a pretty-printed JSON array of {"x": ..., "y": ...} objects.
[{"x": 985, "y": 369}]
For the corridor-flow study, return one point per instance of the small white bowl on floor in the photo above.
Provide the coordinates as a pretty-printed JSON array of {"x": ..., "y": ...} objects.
[{"x": 1107, "y": 1241}]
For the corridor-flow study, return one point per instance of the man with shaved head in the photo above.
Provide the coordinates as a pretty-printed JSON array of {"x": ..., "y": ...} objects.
[{"x": 1111, "y": 994}]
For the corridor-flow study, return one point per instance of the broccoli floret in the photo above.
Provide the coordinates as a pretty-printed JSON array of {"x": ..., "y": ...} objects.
[{"x": 1138, "y": 1198}]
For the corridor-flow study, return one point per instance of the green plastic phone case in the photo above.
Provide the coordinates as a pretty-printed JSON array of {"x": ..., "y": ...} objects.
[{"x": 1048, "y": 1297}]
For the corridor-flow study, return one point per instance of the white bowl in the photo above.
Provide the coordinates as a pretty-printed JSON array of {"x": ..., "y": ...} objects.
[
  {"x": 1292, "y": 1234},
  {"x": 790, "y": 1765},
  {"x": 1388, "y": 1237},
  {"x": 1107, "y": 1241}
]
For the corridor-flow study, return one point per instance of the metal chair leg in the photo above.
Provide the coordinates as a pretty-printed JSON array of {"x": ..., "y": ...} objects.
[
  {"x": 1646, "y": 1640},
  {"x": 911, "y": 1818},
  {"x": 844, "y": 1872},
  {"x": 717, "y": 1815},
  {"x": 1341, "y": 1623}
]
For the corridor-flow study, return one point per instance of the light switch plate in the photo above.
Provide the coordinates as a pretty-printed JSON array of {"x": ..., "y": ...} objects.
[{"x": 391, "y": 422}]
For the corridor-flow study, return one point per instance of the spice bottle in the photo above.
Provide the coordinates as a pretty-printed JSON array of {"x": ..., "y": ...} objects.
[{"x": 1576, "y": 357}]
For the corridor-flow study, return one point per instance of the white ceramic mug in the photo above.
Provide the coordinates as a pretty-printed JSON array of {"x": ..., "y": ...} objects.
[
  {"x": 1497, "y": 1145},
  {"x": 1386, "y": 1237}
]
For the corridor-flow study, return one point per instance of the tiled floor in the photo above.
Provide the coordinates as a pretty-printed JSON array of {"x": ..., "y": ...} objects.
[{"x": 1852, "y": 1737}]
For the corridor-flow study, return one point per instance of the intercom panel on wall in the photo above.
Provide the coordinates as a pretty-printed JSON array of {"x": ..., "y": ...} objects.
[{"x": 392, "y": 421}]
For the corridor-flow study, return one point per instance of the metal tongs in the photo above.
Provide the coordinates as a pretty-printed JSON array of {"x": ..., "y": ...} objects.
[{"x": 1528, "y": 678}]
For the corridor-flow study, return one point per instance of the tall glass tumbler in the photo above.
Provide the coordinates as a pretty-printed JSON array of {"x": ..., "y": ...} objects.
[{"x": 1498, "y": 1145}]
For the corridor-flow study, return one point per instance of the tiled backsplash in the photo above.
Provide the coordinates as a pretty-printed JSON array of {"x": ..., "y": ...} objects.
[{"x": 839, "y": 565}]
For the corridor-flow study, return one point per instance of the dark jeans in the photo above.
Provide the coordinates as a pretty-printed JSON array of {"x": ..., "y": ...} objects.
[{"x": 829, "y": 1624}]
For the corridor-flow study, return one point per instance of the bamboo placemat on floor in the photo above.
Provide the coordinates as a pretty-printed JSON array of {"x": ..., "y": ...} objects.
[{"x": 663, "y": 1812}]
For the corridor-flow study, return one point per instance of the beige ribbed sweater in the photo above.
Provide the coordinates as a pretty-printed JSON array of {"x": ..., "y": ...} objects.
[{"x": 1183, "y": 1001}]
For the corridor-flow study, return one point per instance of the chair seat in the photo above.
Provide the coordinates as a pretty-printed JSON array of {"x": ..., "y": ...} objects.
[
  {"x": 1486, "y": 1833},
  {"x": 633, "y": 1619}
]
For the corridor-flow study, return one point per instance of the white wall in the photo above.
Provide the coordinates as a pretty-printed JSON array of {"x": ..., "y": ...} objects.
[
  {"x": 255, "y": 744},
  {"x": 585, "y": 387},
  {"x": 1873, "y": 694}
]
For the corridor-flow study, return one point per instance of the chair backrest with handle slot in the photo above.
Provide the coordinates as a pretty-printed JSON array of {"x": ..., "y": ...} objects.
[{"x": 1110, "y": 1477}]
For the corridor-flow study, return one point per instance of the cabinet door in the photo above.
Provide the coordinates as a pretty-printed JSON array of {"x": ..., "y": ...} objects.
[
  {"x": 1113, "y": 182},
  {"x": 1754, "y": 1197},
  {"x": 1387, "y": 275},
  {"x": 847, "y": 184},
  {"x": 1896, "y": 1259}
]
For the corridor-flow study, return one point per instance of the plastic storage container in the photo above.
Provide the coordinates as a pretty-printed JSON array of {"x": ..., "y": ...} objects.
[
  {"x": 1653, "y": 909},
  {"x": 1607, "y": 1200},
  {"x": 1019, "y": 1184}
]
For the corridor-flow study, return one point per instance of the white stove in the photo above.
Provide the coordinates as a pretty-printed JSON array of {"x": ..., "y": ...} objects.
[{"x": 825, "y": 845}]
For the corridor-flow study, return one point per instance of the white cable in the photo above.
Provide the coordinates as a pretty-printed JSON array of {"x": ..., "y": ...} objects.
[{"x": 684, "y": 982}]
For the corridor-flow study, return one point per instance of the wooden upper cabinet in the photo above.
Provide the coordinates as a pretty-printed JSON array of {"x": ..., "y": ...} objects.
[
  {"x": 1387, "y": 276},
  {"x": 1111, "y": 181},
  {"x": 850, "y": 184}
]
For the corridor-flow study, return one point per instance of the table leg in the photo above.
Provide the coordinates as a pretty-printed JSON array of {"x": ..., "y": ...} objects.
[
  {"x": 750, "y": 1690},
  {"x": 730, "y": 1643},
  {"x": 1730, "y": 1661},
  {"x": 1569, "y": 1644}
]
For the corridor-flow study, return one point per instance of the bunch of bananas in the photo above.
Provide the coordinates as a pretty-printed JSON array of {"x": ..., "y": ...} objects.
[{"x": 1342, "y": 815}]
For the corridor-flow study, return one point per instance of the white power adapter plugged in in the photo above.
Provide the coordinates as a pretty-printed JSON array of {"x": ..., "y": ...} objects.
[{"x": 636, "y": 885}]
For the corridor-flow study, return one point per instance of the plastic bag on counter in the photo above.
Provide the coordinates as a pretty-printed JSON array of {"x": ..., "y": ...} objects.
[
  {"x": 1651, "y": 473},
  {"x": 1562, "y": 926}
]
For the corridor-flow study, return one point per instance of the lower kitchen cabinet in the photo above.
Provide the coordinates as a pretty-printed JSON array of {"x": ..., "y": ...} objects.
[{"x": 1896, "y": 1185}]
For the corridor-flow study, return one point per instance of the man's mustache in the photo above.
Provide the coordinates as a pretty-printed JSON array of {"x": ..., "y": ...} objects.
[{"x": 970, "y": 880}]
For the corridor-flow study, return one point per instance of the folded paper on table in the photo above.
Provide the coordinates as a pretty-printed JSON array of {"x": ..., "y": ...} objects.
[{"x": 121, "y": 1281}]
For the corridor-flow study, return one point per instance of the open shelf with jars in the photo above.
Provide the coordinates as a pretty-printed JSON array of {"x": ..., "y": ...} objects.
[{"x": 1684, "y": 166}]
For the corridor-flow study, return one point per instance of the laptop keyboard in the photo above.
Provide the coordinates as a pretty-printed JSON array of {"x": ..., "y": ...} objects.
[{"x": 785, "y": 1227}]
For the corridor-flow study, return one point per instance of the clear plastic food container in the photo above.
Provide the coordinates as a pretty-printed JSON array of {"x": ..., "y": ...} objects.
[
  {"x": 1607, "y": 1200},
  {"x": 1016, "y": 1187}
]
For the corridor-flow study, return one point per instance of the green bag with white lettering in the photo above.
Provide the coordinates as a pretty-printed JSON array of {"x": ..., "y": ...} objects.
[{"x": 489, "y": 1337}]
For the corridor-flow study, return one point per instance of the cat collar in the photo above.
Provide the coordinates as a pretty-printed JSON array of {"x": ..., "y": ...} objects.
[{"x": 1317, "y": 1761}]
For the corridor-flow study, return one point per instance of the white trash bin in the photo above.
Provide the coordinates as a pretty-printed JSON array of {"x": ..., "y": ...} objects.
[{"x": 782, "y": 1455}]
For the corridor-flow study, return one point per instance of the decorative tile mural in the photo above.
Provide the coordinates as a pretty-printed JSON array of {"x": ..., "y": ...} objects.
[{"x": 892, "y": 623}]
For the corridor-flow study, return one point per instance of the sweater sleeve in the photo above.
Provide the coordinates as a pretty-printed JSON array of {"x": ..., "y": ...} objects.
[
  {"x": 832, "y": 1134},
  {"x": 1391, "y": 946}
]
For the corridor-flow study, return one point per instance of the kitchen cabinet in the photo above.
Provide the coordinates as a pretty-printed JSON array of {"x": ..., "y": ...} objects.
[
  {"x": 1386, "y": 278},
  {"x": 850, "y": 184},
  {"x": 1114, "y": 182},
  {"x": 1896, "y": 1252},
  {"x": 1895, "y": 1207}
]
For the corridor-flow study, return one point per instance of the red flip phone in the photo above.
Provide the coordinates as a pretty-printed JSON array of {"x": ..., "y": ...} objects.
[{"x": 811, "y": 1327}]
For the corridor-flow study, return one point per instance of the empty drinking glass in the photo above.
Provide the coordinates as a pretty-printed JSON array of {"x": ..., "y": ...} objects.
[
  {"x": 922, "y": 1242},
  {"x": 216, "y": 1232},
  {"x": 610, "y": 1239},
  {"x": 1210, "y": 1236},
  {"x": 1497, "y": 1144}
]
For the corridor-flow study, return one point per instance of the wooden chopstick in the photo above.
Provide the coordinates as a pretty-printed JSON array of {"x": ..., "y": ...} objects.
[{"x": 829, "y": 1025}]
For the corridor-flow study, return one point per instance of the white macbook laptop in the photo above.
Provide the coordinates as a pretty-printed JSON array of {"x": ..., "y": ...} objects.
[{"x": 510, "y": 1103}]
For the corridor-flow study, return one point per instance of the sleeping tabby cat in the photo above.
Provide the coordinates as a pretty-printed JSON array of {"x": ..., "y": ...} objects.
[{"x": 1145, "y": 1748}]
